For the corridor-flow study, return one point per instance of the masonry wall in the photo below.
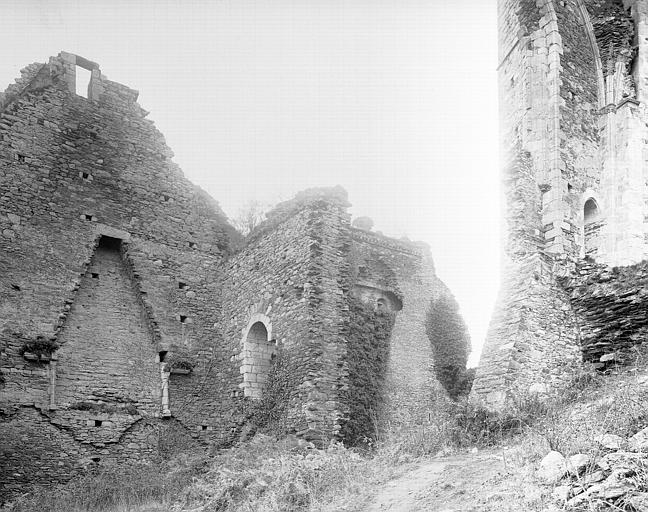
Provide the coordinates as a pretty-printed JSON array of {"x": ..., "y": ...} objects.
[
  {"x": 71, "y": 171},
  {"x": 325, "y": 291},
  {"x": 548, "y": 82},
  {"x": 290, "y": 276},
  {"x": 154, "y": 327},
  {"x": 611, "y": 305},
  {"x": 572, "y": 80},
  {"x": 404, "y": 273}
]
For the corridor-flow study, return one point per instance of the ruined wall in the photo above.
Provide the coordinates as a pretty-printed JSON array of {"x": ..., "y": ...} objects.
[
  {"x": 573, "y": 127},
  {"x": 346, "y": 308},
  {"x": 611, "y": 305},
  {"x": 404, "y": 273},
  {"x": 127, "y": 318},
  {"x": 290, "y": 276},
  {"x": 548, "y": 96},
  {"x": 71, "y": 171}
]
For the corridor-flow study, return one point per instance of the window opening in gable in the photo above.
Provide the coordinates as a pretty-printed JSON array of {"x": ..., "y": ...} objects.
[{"x": 83, "y": 77}]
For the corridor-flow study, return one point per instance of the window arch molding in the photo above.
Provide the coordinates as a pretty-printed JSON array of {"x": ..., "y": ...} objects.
[
  {"x": 591, "y": 212},
  {"x": 254, "y": 319},
  {"x": 590, "y": 195},
  {"x": 258, "y": 352}
]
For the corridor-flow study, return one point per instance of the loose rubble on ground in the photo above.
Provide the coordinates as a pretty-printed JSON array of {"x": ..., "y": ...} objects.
[{"x": 614, "y": 479}]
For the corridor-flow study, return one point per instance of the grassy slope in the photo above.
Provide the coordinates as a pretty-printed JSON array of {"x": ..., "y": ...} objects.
[{"x": 267, "y": 475}]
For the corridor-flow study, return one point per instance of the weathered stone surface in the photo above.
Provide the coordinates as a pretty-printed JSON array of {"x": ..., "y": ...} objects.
[
  {"x": 133, "y": 317},
  {"x": 577, "y": 463},
  {"x": 552, "y": 467},
  {"x": 639, "y": 501},
  {"x": 639, "y": 441},
  {"x": 573, "y": 81},
  {"x": 610, "y": 441},
  {"x": 561, "y": 493}
]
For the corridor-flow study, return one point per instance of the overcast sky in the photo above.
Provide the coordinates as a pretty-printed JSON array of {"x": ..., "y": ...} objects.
[{"x": 395, "y": 100}]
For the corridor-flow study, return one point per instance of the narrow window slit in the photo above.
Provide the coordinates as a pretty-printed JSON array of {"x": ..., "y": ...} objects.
[{"x": 83, "y": 76}]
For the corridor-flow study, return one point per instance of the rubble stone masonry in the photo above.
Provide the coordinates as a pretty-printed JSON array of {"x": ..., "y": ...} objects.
[
  {"x": 572, "y": 80},
  {"x": 130, "y": 308}
]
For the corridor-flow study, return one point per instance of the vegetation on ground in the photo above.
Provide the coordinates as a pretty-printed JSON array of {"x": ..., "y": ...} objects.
[{"x": 289, "y": 475}]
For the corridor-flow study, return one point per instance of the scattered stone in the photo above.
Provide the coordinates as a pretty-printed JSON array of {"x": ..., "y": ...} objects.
[
  {"x": 627, "y": 460},
  {"x": 561, "y": 493},
  {"x": 610, "y": 441},
  {"x": 552, "y": 467},
  {"x": 614, "y": 487},
  {"x": 639, "y": 442},
  {"x": 593, "y": 478},
  {"x": 364, "y": 223},
  {"x": 538, "y": 388},
  {"x": 577, "y": 463},
  {"x": 639, "y": 502}
]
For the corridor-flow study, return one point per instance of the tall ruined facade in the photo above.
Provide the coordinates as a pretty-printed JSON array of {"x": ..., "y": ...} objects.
[
  {"x": 573, "y": 79},
  {"x": 132, "y": 313}
]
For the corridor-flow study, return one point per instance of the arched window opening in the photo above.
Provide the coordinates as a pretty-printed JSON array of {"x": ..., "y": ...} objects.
[
  {"x": 258, "y": 355},
  {"x": 590, "y": 211},
  {"x": 591, "y": 227},
  {"x": 258, "y": 333}
]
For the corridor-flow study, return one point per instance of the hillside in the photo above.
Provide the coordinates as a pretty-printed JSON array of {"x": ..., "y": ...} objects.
[{"x": 465, "y": 459}]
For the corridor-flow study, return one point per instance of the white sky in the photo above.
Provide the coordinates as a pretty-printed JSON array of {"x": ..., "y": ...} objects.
[{"x": 395, "y": 100}]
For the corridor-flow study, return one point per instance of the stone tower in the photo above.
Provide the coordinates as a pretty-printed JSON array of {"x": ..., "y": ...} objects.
[{"x": 573, "y": 82}]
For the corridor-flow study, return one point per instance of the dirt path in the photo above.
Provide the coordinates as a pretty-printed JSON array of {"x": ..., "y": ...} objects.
[{"x": 464, "y": 483}]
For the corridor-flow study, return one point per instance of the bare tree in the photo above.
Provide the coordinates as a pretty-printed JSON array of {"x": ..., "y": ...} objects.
[{"x": 249, "y": 216}]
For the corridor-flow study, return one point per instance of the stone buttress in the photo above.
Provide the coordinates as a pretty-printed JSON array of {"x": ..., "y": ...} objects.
[{"x": 572, "y": 79}]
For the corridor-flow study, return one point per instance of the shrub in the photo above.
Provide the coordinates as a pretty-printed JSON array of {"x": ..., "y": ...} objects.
[
  {"x": 40, "y": 347},
  {"x": 450, "y": 340},
  {"x": 367, "y": 355},
  {"x": 179, "y": 362},
  {"x": 114, "y": 487}
]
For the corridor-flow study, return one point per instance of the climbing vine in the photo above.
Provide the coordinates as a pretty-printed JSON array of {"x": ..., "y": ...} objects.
[
  {"x": 270, "y": 413},
  {"x": 367, "y": 354},
  {"x": 450, "y": 340}
]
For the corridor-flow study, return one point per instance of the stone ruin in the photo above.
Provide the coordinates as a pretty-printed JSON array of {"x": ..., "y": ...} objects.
[
  {"x": 132, "y": 313},
  {"x": 573, "y": 78}
]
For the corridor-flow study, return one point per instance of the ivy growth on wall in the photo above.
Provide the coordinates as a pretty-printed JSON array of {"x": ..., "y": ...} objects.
[
  {"x": 367, "y": 354},
  {"x": 450, "y": 340},
  {"x": 270, "y": 413}
]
